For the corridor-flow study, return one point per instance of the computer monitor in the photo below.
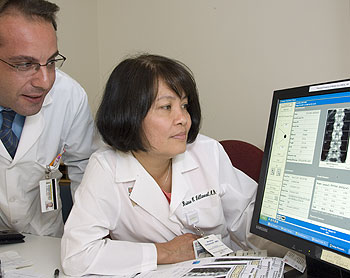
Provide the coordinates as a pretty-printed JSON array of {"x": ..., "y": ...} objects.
[{"x": 303, "y": 198}]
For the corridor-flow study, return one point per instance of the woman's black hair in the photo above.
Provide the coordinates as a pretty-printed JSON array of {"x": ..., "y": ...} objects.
[{"x": 130, "y": 91}]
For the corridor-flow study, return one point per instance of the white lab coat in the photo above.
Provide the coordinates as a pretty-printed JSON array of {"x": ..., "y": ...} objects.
[
  {"x": 64, "y": 121},
  {"x": 118, "y": 197}
]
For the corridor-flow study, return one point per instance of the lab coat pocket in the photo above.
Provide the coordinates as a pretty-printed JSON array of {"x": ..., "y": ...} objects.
[{"x": 207, "y": 215}]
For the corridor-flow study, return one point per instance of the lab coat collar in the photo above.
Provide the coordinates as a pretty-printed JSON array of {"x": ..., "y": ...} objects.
[
  {"x": 48, "y": 98},
  {"x": 145, "y": 190},
  {"x": 129, "y": 167}
]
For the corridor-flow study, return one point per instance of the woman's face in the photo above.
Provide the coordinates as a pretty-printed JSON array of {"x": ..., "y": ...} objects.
[{"x": 167, "y": 123}]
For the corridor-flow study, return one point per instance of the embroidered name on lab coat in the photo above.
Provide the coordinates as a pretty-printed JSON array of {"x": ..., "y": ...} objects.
[{"x": 198, "y": 197}]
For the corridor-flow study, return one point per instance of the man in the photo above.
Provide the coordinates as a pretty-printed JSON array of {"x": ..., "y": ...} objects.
[{"x": 51, "y": 120}]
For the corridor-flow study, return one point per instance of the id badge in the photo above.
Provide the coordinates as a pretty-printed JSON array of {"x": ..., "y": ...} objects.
[
  {"x": 48, "y": 195},
  {"x": 213, "y": 245}
]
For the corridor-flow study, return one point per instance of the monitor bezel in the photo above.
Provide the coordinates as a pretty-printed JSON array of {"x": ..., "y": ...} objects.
[{"x": 310, "y": 249}]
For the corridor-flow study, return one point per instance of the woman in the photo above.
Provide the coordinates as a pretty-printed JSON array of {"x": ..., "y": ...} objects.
[{"x": 158, "y": 184}]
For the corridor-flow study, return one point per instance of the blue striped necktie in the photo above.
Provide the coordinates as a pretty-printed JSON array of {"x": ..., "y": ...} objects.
[{"x": 8, "y": 138}]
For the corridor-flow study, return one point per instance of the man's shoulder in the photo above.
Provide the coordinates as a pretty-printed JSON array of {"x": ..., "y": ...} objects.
[
  {"x": 64, "y": 77},
  {"x": 66, "y": 95},
  {"x": 65, "y": 84}
]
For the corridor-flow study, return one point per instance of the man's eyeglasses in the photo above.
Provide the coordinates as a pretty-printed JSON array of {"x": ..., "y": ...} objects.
[{"x": 30, "y": 68}]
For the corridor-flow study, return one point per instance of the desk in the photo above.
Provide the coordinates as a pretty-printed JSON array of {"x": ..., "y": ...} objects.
[{"x": 43, "y": 251}]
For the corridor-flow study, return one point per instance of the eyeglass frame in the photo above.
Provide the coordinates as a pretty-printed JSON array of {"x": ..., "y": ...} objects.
[{"x": 37, "y": 65}]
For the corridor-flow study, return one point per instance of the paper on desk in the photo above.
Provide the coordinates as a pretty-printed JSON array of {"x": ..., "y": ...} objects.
[
  {"x": 201, "y": 253},
  {"x": 265, "y": 268},
  {"x": 14, "y": 266},
  {"x": 249, "y": 253},
  {"x": 22, "y": 273},
  {"x": 230, "y": 267},
  {"x": 107, "y": 276},
  {"x": 175, "y": 270},
  {"x": 296, "y": 261},
  {"x": 12, "y": 260}
]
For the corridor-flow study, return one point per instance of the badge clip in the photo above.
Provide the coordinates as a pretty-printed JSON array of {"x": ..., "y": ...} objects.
[{"x": 192, "y": 220}]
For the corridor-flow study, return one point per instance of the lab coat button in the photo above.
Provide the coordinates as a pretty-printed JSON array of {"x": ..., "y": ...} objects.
[
  {"x": 12, "y": 199},
  {"x": 14, "y": 222}
]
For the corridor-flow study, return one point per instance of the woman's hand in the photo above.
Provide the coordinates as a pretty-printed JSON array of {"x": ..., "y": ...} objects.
[{"x": 176, "y": 250}]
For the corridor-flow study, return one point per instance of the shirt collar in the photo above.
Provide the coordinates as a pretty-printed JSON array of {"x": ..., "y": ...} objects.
[{"x": 3, "y": 108}]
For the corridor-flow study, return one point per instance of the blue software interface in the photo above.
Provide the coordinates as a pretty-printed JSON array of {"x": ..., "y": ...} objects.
[{"x": 307, "y": 190}]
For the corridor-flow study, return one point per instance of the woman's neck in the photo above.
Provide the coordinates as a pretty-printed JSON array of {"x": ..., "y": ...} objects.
[{"x": 159, "y": 169}]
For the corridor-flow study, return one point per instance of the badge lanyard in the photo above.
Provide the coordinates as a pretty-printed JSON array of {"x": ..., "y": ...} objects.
[{"x": 48, "y": 186}]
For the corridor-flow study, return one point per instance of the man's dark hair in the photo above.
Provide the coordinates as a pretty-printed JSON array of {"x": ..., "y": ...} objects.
[
  {"x": 31, "y": 8},
  {"x": 130, "y": 91}
]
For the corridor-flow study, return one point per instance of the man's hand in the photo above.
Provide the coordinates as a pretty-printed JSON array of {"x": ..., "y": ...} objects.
[{"x": 176, "y": 250}]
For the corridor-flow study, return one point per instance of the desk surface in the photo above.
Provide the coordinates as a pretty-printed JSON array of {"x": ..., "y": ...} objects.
[{"x": 43, "y": 251}]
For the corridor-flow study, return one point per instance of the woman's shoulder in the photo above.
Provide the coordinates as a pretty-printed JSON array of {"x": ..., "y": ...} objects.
[
  {"x": 103, "y": 152},
  {"x": 203, "y": 141},
  {"x": 108, "y": 156},
  {"x": 205, "y": 148}
]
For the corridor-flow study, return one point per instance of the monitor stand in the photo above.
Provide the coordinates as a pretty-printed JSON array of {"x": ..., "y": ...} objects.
[{"x": 317, "y": 269}]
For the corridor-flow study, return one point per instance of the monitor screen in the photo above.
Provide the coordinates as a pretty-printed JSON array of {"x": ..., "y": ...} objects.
[{"x": 303, "y": 199}]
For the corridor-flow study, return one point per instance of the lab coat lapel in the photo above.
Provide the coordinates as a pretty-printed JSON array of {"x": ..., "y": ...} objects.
[
  {"x": 32, "y": 129},
  {"x": 145, "y": 192},
  {"x": 4, "y": 153},
  {"x": 148, "y": 195},
  {"x": 181, "y": 164}
]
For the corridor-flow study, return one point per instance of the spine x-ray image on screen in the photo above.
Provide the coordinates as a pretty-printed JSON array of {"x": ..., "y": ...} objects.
[{"x": 336, "y": 137}]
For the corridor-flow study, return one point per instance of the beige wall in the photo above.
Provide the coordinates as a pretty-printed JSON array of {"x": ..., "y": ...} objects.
[
  {"x": 240, "y": 51},
  {"x": 77, "y": 40}
]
